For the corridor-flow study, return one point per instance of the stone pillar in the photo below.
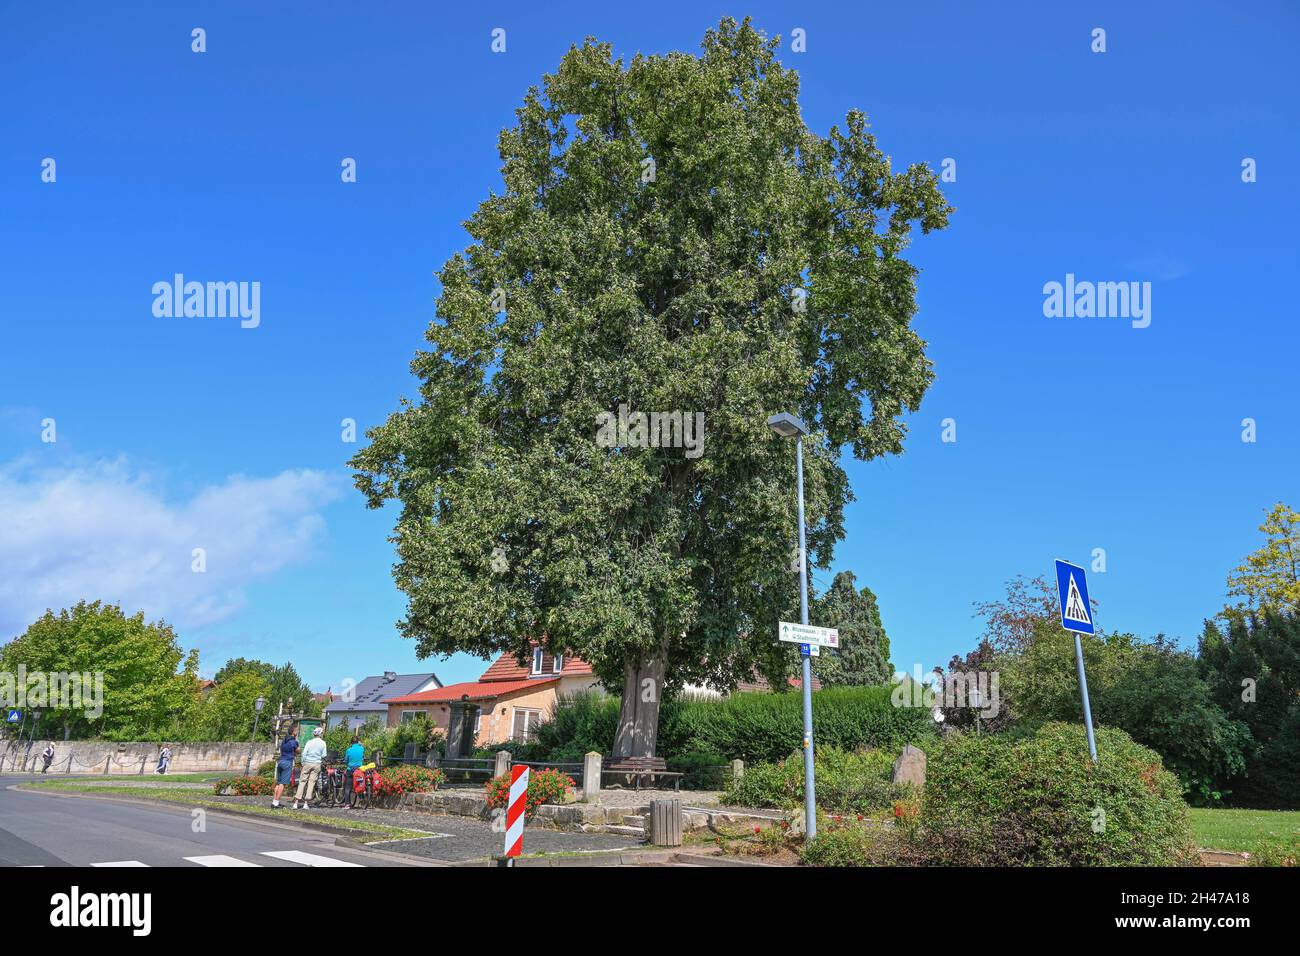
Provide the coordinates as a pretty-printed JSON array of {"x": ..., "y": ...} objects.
[
  {"x": 503, "y": 763},
  {"x": 591, "y": 764},
  {"x": 737, "y": 770}
]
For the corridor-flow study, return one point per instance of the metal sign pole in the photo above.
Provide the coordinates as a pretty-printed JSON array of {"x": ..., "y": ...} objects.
[
  {"x": 809, "y": 764},
  {"x": 1083, "y": 691}
]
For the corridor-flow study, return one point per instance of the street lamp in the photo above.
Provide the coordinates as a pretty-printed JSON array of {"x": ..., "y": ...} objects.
[
  {"x": 257, "y": 707},
  {"x": 791, "y": 426}
]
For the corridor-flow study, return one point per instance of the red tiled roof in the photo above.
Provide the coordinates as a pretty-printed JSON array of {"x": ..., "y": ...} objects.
[
  {"x": 506, "y": 667},
  {"x": 474, "y": 690}
]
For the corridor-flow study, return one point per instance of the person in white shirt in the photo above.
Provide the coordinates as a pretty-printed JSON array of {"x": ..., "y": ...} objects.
[{"x": 312, "y": 755}]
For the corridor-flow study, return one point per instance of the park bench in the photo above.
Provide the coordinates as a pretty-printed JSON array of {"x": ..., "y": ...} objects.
[{"x": 638, "y": 768}]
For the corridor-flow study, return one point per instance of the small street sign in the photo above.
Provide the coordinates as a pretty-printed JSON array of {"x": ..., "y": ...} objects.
[
  {"x": 807, "y": 634},
  {"x": 13, "y": 716},
  {"x": 1072, "y": 586},
  {"x": 810, "y": 650}
]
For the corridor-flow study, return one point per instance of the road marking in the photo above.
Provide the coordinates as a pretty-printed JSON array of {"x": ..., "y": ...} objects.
[
  {"x": 219, "y": 859},
  {"x": 307, "y": 859},
  {"x": 121, "y": 863}
]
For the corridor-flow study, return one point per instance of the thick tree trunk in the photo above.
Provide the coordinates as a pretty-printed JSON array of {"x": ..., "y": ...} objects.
[{"x": 638, "y": 715}]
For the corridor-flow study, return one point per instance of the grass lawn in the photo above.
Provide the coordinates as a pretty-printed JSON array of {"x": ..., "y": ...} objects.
[
  {"x": 364, "y": 831},
  {"x": 1244, "y": 830}
]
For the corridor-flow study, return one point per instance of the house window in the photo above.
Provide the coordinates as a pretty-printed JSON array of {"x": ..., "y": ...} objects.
[
  {"x": 410, "y": 715},
  {"x": 478, "y": 719},
  {"x": 525, "y": 724},
  {"x": 537, "y": 660},
  {"x": 557, "y": 664}
]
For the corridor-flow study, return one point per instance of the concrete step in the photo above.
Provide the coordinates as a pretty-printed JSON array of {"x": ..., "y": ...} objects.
[{"x": 626, "y": 831}]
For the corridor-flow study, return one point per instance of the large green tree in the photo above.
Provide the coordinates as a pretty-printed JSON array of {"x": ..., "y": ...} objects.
[
  {"x": 863, "y": 654},
  {"x": 670, "y": 237},
  {"x": 150, "y": 684},
  {"x": 283, "y": 686}
]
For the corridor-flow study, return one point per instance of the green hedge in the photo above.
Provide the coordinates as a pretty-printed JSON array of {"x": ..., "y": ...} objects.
[
  {"x": 1037, "y": 799},
  {"x": 753, "y": 727}
]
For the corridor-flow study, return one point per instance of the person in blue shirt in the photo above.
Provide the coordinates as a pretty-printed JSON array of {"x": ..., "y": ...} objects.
[
  {"x": 284, "y": 766},
  {"x": 354, "y": 757}
]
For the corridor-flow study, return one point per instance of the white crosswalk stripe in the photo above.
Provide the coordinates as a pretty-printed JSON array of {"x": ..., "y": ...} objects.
[
  {"x": 219, "y": 859},
  {"x": 121, "y": 863},
  {"x": 307, "y": 859}
]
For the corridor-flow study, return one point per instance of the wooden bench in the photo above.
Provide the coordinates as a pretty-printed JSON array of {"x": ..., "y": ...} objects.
[{"x": 636, "y": 768}]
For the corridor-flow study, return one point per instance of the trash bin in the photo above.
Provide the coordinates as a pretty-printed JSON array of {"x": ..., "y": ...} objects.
[{"x": 666, "y": 822}]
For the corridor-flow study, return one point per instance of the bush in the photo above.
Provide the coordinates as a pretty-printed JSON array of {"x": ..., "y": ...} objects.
[
  {"x": 847, "y": 782},
  {"x": 852, "y": 843},
  {"x": 753, "y": 727},
  {"x": 544, "y": 786},
  {"x": 1037, "y": 799},
  {"x": 701, "y": 770},
  {"x": 406, "y": 778},
  {"x": 1277, "y": 853},
  {"x": 244, "y": 786}
]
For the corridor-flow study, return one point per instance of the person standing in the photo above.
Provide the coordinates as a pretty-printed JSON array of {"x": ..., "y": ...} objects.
[
  {"x": 284, "y": 767},
  {"x": 355, "y": 756},
  {"x": 164, "y": 759},
  {"x": 312, "y": 756},
  {"x": 47, "y": 755}
]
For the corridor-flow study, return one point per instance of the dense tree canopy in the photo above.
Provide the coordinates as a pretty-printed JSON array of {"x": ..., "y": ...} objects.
[
  {"x": 863, "y": 654},
  {"x": 670, "y": 238},
  {"x": 150, "y": 684}
]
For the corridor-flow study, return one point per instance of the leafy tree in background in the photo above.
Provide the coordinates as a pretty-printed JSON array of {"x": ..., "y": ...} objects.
[
  {"x": 670, "y": 237},
  {"x": 230, "y": 711},
  {"x": 151, "y": 685},
  {"x": 283, "y": 686},
  {"x": 1251, "y": 662},
  {"x": 1271, "y": 575},
  {"x": 863, "y": 654}
]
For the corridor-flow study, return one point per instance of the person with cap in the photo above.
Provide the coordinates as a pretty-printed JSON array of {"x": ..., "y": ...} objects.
[{"x": 312, "y": 756}]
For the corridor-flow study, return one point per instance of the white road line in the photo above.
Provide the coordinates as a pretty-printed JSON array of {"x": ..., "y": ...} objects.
[
  {"x": 219, "y": 859},
  {"x": 121, "y": 863},
  {"x": 306, "y": 859}
]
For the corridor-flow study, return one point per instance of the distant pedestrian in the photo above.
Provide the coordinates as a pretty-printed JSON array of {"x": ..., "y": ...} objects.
[
  {"x": 284, "y": 767},
  {"x": 355, "y": 756},
  {"x": 164, "y": 759},
  {"x": 312, "y": 756},
  {"x": 47, "y": 755}
]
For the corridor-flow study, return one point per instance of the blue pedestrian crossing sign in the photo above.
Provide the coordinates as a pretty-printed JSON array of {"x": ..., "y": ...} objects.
[
  {"x": 13, "y": 716},
  {"x": 1072, "y": 587}
]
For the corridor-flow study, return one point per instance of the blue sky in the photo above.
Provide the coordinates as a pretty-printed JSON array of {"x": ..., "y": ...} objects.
[{"x": 1072, "y": 434}]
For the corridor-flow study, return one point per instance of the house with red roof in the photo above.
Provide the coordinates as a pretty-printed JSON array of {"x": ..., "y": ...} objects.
[{"x": 507, "y": 702}]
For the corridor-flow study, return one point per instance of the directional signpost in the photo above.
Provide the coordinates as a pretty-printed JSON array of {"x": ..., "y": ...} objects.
[
  {"x": 807, "y": 634},
  {"x": 1076, "y": 616}
]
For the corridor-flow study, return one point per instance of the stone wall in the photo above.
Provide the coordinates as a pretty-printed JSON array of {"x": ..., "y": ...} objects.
[{"x": 99, "y": 757}]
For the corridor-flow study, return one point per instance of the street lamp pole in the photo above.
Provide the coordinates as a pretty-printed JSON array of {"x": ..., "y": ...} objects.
[{"x": 790, "y": 426}]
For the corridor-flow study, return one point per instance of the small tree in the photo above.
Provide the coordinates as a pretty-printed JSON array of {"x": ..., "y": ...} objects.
[
  {"x": 863, "y": 655},
  {"x": 1271, "y": 575}
]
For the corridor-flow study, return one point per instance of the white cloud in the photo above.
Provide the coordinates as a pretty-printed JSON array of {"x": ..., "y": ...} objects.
[{"x": 104, "y": 531}]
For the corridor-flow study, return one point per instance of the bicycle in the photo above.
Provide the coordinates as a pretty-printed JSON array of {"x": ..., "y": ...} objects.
[{"x": 365, "y": 787}]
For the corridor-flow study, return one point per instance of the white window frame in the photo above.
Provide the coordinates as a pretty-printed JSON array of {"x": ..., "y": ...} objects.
[
  {"x": 532, "y": 719},
  {"x": 537, "y": 660},
  {"x": 557, "y": 663},
  {"x": 409, "y": 715}
]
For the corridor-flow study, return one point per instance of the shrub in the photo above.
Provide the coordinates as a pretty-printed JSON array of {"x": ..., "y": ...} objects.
[
  {"x": 244, "y": 786},
  {"x": 406, "y": 778},
  {"x": 544, "y": 786},
  {"x": 841, "y": 842},
  {"x": 847, "y": 782},
  {"x": 753, "y": 727},
  {"x": 1037, "y": 799},
  {"x": 1276, "y": 853},
  {"x": 701, "y": 770}
]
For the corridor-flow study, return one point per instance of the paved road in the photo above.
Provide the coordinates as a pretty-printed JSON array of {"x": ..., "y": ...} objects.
[{"x": 45, "y": 829}]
